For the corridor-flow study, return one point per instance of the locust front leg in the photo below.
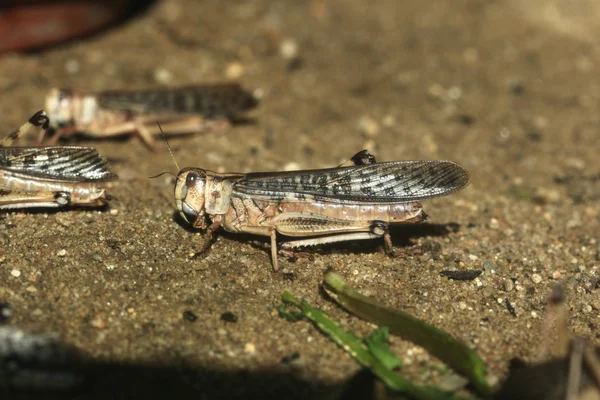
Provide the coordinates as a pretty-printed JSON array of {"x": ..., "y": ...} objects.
[{"x": 216, "y": 224}]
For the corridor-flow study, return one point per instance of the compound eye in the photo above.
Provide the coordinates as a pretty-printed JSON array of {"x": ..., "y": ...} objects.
[
  {"x": 189, "y": 213},
  {"x": 191, "y": 179}
]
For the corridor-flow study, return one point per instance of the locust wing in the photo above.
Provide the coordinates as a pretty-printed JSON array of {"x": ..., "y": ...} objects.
[
  {"x": 225, "y": 100},
  {"x": 386, "y": 182},
  {"x": 62, "y": 163}
]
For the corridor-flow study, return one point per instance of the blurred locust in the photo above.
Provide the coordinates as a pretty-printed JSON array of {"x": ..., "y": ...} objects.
[
  {"x": 114, "y": 113},
  {"x": 328, "y": 205},
  {"x": 50, "y": 176}
]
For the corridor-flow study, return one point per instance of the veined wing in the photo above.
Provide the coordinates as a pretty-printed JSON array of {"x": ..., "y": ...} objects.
[
  {"x": 386, "y": 182},
  {"x": 208, "y": 100},
  {"x": 65, "y": 163}
]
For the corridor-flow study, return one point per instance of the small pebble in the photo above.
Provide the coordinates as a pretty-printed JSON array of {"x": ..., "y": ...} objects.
[
  {"x": 462, "y": 305},
  {"x": 473, "y": 257},
  {"x": 546, "y": 195},
  {"x": 494, "y": 224},
  {"x": 575, "y": 163},
  {"x": 234, "y": 70},
  {"x": 508, "y": 285},
  {"x": 114, "y": 211},
  {"x": 587, "y": 308},
  {"x": 16, "y": 273},
  {"x": 288, "y": 49},
  {"x": 250, "y": 348},
  {"x": 72, "y": 66},
  {"x": 436, "y": 90},
  {"x": 98, "y": 323},
  {"x": 62, "y": 253},
  {"x": 556, "y": 275},
  {"x": 536, "y": 278},
  {"x": 455, "y": 93},
  {"x": 162, "y": 76},
  {"x": 388, "y": 121}
]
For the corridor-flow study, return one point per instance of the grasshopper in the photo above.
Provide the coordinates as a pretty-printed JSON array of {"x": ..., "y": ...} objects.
[
  {"x": 327, "y": 205},
  {"x": 50, "y": 176},
  {"x": 114, "y": 113}
]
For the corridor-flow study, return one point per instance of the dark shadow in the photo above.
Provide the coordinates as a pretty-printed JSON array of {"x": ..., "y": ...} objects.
[
  {"x": 38, "y": 366},
  {"x": 184, "y": 224},
  {"x": 402, "y": 234},
  {"x": 401, "y": 238},
  {"x": 57, "y": 210},
  {"x": 110, "y": 380},
  {"x": 243, "y": 121}
]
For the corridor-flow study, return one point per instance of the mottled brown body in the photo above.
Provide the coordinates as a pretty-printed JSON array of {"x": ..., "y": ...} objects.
[
  {"x": 328, "y": 205},
  {"x": 50, "y": 176},
  {"x": 179, "y": 111},
  {"x": 295, "y": 218}
]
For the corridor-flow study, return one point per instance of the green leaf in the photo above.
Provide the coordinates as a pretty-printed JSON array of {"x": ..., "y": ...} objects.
[
  {"x": 439, "y": 343},
  {"x": 377, "y": 343}
]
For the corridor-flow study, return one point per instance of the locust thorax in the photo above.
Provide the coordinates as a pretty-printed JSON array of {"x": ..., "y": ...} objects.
[
  {"x": 190, "y": 195},
  {"x": 59, "y": 106},
  {"x": 66, "y": 108}
]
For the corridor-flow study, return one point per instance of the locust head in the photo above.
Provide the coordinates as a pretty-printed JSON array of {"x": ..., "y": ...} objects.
[
  {"x": 190, "y": 196},
  {"x": 60, "y": 107}
]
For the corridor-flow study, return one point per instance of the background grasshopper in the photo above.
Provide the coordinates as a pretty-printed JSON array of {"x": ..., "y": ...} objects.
[
  {"x": 329, "y": 205},
  {"x": 113, "y": 113},
  {"x": 50, "y": 176}
]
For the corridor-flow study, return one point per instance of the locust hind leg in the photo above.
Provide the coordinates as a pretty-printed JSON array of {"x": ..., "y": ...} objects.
[
  {"x": 377, "y": 229},
  {"x": 16, "y": 199},
  {"x": 147, "y": 127}
]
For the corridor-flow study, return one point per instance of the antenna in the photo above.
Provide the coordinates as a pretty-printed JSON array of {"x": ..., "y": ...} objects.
[{"x": 168, "y": 145}]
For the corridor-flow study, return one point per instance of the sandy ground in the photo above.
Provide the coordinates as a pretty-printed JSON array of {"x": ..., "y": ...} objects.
[{"x": 509, "y": 90}]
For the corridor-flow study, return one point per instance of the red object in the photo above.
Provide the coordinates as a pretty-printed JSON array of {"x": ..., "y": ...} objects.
[{"x": 33, "y": 24}]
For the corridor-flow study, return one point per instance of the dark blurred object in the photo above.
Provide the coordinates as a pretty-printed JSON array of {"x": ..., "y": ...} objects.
[
  {"x": 5, "y": 312},
  {"x": 33, "y": 24},
  {"x": 552, "y": 380},
  {"x": 37, "y": 362}
]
